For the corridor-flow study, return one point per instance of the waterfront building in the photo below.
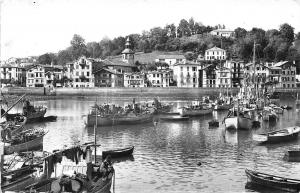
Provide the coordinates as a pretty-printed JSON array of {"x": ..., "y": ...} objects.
[
  {"x": 171, "y": 59},
  {"x": 12, "y": 74},
  {"x": 208, "y": 76},
  {"x": 288, "y": 74},
  {"x": 35, "y": 76},
  {"x": 215, "y": 53},
  {"x": 159, "y": 78},
  {"x": 187, "y": 74},
  {"x": 54, "y": 76},
  {"x": 222, "y": 33},
  {"x": 258, "y": 73},
  {"x": 237, "y": 71},
  {"x": 106, "y": 77},
  {"x": 80, "y": 73},
  {"x": 134, "y": 79},
  {"x": 223, "y": 75}
]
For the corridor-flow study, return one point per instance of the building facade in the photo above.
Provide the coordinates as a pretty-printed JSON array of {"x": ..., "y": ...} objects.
[
  {"x": 159, "y": 78},
  {"x": 222, "y": 33},
  {"x": 186, "y": 74},
  {"x": 108, "y": 78},
  {"x": 288, "y": 74},
  {"x": 134, "y": 79},
  {"x": 215, "y": 53},
  {"x": 35, "y": 76},
  {"x": 12, "y": 75}
]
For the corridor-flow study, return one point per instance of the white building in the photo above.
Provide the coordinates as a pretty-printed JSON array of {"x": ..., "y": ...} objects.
[
  {"x": 134, "y": 79},
  {"x": 12, "y": 74},
  {"x": 35, "y": 76},
  {"x": 171, "y": 59},
  {"x": 224, "y": 76},
  {"x": 54, "y": 76},
  {"x": 222, "y": 33},
  {"x": 186, "y": 74},
  {"x": 215, "y": 53},
  {"x": 160, "y": 78},
  {"x": 288, "y": 74},
  {"x": 80, "y": 72}
]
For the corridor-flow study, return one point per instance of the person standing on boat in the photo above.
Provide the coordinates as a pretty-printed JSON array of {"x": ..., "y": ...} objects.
[{"x": 105, "y": 167}]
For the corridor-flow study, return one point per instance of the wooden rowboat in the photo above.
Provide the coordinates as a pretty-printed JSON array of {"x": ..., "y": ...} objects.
[
  {"x": 273, "y": 182},
  {"x": 278, "y": 136},
  {"x": 118, "y": 152}
]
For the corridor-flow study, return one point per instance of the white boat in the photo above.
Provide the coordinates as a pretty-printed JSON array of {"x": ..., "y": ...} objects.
[
  {"x": 278, "y": 136},
  {"x": 268, "y": 114},
  {"x": 240, "y": 120},
  {"x": 276, "y": 109},
  {"x": 197, "y": 110}
]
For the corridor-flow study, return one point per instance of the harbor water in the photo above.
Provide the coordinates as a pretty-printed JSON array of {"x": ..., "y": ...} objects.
[{"x": 185, "y": 156}]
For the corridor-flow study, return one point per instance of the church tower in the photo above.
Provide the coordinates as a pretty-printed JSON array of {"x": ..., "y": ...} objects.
[{"x": 128, "y": 53}]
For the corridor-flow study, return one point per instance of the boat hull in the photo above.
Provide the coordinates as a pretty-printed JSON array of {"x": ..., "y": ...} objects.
[
  {"x": 283, "y": 135},
  {"x": 223, "y": 107},
  {"x": 28, "y": 146},
  {"x": 126, "y": 120},
  {"x": 197, "y": 112},
  {"x": 118, "y": 152},
  {"x": 273, "y": 182},
  {"x": 240, "y": 123}
]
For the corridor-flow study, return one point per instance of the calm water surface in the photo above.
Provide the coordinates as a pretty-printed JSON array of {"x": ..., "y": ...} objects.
[{"x": 166, "y": 154}]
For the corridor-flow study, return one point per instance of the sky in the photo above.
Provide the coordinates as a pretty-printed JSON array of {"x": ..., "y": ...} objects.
[{"x": 35, "y": 27}]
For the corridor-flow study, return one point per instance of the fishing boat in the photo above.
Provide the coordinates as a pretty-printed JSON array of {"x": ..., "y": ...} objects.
[
  {"x": 273, "y": 182},
  {"x": 278, "y": 136},
  {"x": 18, "y": 172},
  {"x": 197, "y": 110},
  {"x": 161, "y": 108},
  {"x": 116, "y": 153},
  {"x": 174, "y": 118},
  {"x": 268, "y": 114},
  {"x": 223, "y": 106},
  {"x": 25, "y": 141},
  {"x": 239, "y": 120},
  {"x": 14, "y": 127},
  {"x": 276, "y": 109}
]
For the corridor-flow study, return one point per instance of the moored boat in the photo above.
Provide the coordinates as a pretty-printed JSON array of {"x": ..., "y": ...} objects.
[
  {"x": 278, "y": 136},
  {"x": 25, "y": 141},
  {"x": 116, "y": 153},
  {"x": 197, "y": 110},
  {"x": 292, "y": 155},
  {"x": 273, "y": 182},
  {"x": 238, "y": 120},
  {"x": 174, "y": 118}
]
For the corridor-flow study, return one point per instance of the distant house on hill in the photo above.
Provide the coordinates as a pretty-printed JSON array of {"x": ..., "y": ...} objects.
[
  {"x": 222, "y": 33},
  {"x": 171, "y": 59},
  {"x": 215, "y": 53}
]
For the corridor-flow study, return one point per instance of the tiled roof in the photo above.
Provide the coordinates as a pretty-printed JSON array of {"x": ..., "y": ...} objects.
[
  {"x": 108, "y": 70},
  {"x": 279, "y": 64},
  {"x": 187, "y": 63},
  {"x": 215, "y": 49}
]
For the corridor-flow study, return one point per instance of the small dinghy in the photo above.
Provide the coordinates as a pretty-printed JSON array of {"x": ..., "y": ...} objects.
[
  {"x": 174, "y": 118},
  {"x": 278, "y": 136},
  {"x": 273, "y": 182},
  {"x": 116, "y": 153},
  {"x": 213, "y": 123}
]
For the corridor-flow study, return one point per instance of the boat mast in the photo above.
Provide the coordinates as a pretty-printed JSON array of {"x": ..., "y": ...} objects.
[
  {"x": 95, "y": 126},
  {"x": 254, "y": 74}
]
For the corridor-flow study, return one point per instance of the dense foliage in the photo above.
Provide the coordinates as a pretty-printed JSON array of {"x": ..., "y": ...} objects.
[{"x": 190, "y": 37}]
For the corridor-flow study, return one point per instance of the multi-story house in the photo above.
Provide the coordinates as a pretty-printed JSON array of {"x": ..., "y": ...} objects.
[
  {"x": 105, "y": 77},
  {"x": 159, "y": 78},
  {"x": 223, "y": 76},
  {"x": 222, "y": 33},
  {"x": 237, "y": 71},
  {"x": 54, "y": 76},
  {"x": 288, "y": 74},
  {"x": 258, "y": 73},
  {"x": 35, "y": 76},
  {"x": 80, "y": 73},
  {"x": 12, "y": 75},
  {"x": 186, "y": 74},
  {"x": 215, "y": 53},
  {"x": 208, "y": 76},
  {"x": 171, "y": 59},
  {"x": 134, "y": 79}
]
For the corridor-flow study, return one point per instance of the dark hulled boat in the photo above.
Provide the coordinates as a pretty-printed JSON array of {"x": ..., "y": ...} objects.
[
  {"x": 273, "y": 182},
  {"x": 116, "y": 153}
]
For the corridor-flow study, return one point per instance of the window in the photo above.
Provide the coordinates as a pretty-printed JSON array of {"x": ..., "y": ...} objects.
[
  {"x": 88, "y": 74},
  {"x": 77, "y": 66},
  {"x": 188, "y": 68},
  {"x": 154, "y": 75},
  {"x": 181, "y": 68},
  {"x": 157, "y": 75},
  {"x": 194, "y": 69},
  {"x": 77, "y": 73},
  {"x": 283, "y": 85}
]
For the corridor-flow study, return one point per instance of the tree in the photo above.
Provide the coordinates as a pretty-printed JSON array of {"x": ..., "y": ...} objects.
[
  {"x": 47, "y": 58},
  {"x": 240, "y": 32},
  {"x": 190, "y": 55},
  {"x": 64, "y": 56},
  {"x": 183, "y": 28},
  {"x": 298, "y": 36},
  {"x": 171, "y": 30},
  {"x": 94, "y": 49},
  {"x": 287, "y": 32},
  {"x": 192, "y": 26},
  {"x": 78, "y": 47}
]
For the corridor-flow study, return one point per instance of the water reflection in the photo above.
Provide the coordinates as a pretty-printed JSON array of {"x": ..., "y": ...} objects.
[{"x": 167, "y": 154}]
